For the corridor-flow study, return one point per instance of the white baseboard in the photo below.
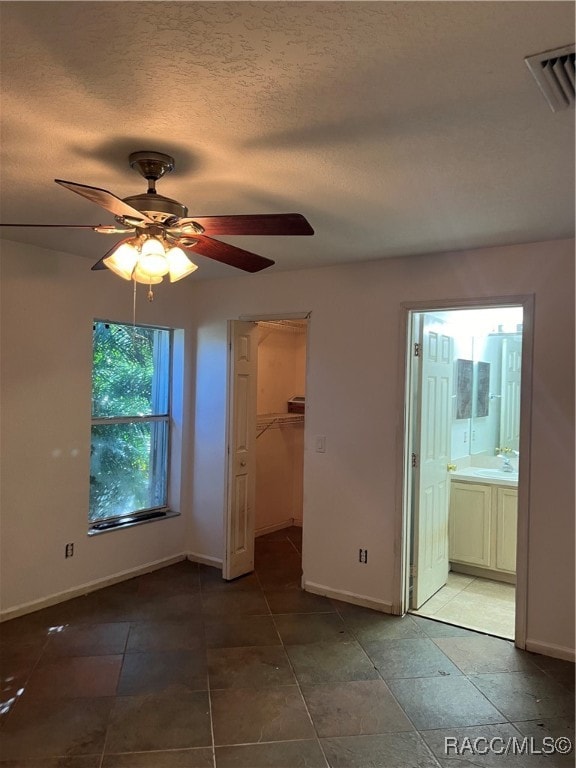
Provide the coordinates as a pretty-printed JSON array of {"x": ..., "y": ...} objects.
[
  {"x": 84, "y": 589},
  {"x": 276, "y": 527},
  {"x": 194, "y": 557},
  {"x": 549, "y": 649},
  {"x": 348, "y": 597}
]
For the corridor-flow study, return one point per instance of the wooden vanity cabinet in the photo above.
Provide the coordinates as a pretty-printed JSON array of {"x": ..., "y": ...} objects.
[{"x": 482, "y": 527}]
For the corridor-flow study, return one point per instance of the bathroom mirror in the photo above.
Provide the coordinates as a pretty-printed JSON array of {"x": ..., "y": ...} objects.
[
  {"x": 486, "y": 353},
  {"x": 495, "y": 418}
]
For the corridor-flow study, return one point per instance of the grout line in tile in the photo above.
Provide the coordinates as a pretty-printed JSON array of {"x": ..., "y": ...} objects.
[
  {"x": 390, "y": 691},
  {"x": 107, "y": 728},
  {"x": 27, "y": 679},
  {"x": 297, "y": 683},
  {"x": 453, "y": 602},
  {"x": 294, "y": 546},
  {"x": 461, "y": 589},
  {"x": 257, "y": 743},
  {"x": 213, "y": 744},
  {"x": 208, "y": 687},
  {"x": 470, "y": 680},
  {"x": 439, "y": 608},
  {"x": 303, "y": 613}
]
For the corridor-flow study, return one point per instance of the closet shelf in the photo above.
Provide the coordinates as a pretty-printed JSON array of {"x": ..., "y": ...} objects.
[
  {"x": 294, "y": 326},
  {"x": 269, "y": 326},
  {"x": 266, "y": 421}
]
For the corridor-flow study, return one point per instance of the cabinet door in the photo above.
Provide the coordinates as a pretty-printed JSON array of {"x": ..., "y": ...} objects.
[
  {"x": 506, "y": 521},
  {"x": 470, "y": 523}
]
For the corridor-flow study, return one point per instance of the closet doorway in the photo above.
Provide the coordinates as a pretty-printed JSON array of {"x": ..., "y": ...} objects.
[
  {"x": 280, "y": 407},
  {"x": 266, "y": 412}
]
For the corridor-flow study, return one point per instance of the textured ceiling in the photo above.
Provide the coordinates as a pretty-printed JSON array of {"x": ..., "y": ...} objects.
[{"x": 395, "y": 128}]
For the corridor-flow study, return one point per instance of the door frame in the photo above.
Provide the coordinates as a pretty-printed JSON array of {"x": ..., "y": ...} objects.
[
  {"x": 403, "y": 486},
  {"x": 228, "y": 479}
]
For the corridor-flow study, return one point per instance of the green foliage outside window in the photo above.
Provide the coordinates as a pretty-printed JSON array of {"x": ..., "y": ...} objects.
[{"x": 130, "y": 380}]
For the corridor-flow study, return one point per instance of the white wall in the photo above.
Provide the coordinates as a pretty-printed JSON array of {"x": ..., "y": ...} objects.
[
  {"x": 281, "y": 368},
  {"x": 353, "y": 397},
  {"x": 279, "y": 476},
  {"x": 49, "y": 302}
]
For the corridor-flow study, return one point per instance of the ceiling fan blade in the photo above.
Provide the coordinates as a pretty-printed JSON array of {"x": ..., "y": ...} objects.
[
  {"x": 105, "y": 228},
  {"x": 106, "y": 200},
  {"x": 100, "y": 263},
  {"x": 226, "y": 254},
  {"x": 253, "y": 224}
]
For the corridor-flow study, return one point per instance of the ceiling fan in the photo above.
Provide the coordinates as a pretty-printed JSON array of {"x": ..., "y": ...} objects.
[{"x": 161, "y": 233}]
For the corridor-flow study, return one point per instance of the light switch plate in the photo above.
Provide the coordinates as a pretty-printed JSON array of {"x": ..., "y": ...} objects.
[{"x": 320, "y": 444}]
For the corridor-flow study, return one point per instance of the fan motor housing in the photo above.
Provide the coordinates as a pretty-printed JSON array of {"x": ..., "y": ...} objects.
[
  {"x": 162, "y": 209},
  {"x": 152, "y": 166}
]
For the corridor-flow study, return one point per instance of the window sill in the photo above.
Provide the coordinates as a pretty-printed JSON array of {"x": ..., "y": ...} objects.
[{"x": 114, "y": 525}]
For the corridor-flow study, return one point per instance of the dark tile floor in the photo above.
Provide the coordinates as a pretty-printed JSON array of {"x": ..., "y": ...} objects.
[{"x": 178, "y": 669}]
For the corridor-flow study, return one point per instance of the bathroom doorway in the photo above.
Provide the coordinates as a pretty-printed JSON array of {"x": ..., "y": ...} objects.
[{"x": 463, "y": 453}]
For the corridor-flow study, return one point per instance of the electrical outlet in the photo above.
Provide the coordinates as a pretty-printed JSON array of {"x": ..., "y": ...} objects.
[
  {"x": 69, "y": 550},
  {"x": 362, "y": 555}
]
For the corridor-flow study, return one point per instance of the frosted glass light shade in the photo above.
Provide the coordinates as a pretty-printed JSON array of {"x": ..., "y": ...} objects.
[
  {"x": 123, "y": 261},
  {"x": 153, "y": 265},
  {"x": 152, "y": 261},
  {"x": 152, "y": 246},
  {"x": 179, "y": 264},
  {"x": 143, "y": 277}
]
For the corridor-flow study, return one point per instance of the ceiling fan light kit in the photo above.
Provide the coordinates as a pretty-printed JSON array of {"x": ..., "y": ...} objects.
[
  {"x": 162, "y": 231},
  {"x": 147, "y": 259}
]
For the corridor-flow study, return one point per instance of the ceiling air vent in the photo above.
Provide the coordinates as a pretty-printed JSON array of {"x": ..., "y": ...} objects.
[{"x": 554, "y": 73}]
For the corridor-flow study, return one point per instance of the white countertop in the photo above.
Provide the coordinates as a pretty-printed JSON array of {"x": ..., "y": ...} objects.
[{"x": 490, "y": 476}]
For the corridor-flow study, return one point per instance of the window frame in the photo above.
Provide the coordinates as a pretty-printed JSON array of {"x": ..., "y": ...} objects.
[{"x": 147, "y": 514}]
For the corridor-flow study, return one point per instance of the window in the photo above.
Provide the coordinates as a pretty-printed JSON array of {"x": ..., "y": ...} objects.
[{"x": 131, "y": 374}]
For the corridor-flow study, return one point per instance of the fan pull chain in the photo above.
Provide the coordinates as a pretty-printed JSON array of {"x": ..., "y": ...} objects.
[
  {"x": 150, "y": 293},
  {"x": 134, "y": 312}
]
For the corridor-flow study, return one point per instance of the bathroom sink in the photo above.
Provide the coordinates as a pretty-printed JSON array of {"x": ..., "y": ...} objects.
[
  {"x": 496, "y": 473},
  {"x": 494, "y": 476}
]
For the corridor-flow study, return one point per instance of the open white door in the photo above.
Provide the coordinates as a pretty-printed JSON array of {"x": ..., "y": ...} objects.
[
  {"x": 243, "y": 369},
  {"x": 431, "y": 496}
]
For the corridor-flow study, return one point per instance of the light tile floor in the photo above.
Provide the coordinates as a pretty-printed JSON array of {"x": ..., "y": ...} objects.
[
  {"x": 180, "y": 669},
  {"x": 479, "y": 604}
]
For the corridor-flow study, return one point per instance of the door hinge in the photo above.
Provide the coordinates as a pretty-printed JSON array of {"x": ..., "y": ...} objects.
[
  {"x": 412, "y": 570},
  {"x": 414, "y": 460},
  {"x": 417, "y": 348}
]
